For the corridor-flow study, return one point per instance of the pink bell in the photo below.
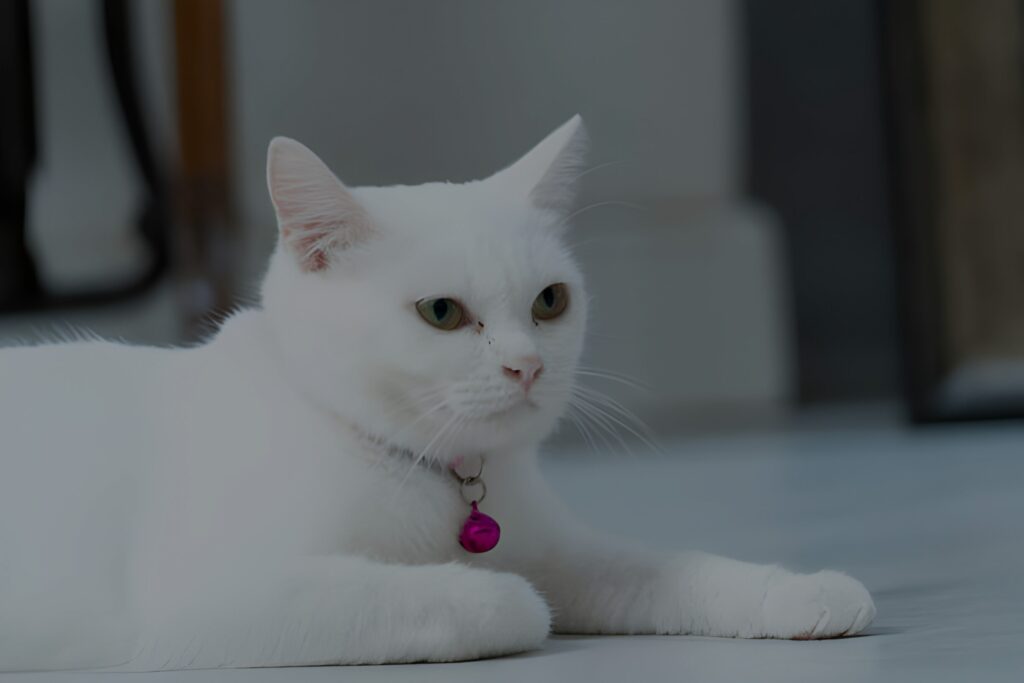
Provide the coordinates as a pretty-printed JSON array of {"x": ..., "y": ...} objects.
[{"x": 480, "y": 532}]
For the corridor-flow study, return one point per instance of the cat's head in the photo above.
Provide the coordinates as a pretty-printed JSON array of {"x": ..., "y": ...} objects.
[{"x": 445, "y": 318}]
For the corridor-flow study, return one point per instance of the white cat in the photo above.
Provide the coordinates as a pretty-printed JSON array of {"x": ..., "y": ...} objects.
[{"x": 259, "y": 500}]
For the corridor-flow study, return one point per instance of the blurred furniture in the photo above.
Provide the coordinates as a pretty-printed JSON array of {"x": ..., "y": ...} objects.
[
  {"x": 817, "y": 157},
  {"x": 206, "y": 238},
  {"x": 20, "y": 286},
  {"x": 956, "y": 102}
]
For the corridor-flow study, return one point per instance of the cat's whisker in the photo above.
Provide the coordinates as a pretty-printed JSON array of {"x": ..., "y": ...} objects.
[
  {"x": 598, "y": 167},
  {"x": 429, "y": 403},
  {"x": 600, "y": 411},
  {"x": 614, "y": 412},
  {"x": 597, "y": 205},
  {"x": 444, "y": 437},
  {"x": 424, "y": 402},
  {"x": 625, "y": 414},
  {"x": 415, "y": 464},
  {"x": 425, "y": 451},
  {"x": 604, "y": 399},
  {"x": 453, "y": 433},
  {"x": 600, "y": 419},
  {"x": 600, "y": 373},
  {"x": 581, "y": 427},
  {"x": 396, "y": 436}
]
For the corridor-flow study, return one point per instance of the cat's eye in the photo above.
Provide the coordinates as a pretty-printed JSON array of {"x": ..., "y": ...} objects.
[
  {"x": 443, "y": 313},
  {"x": 551, "y": 302}
]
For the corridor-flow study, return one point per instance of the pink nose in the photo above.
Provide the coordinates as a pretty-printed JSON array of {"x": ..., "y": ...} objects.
[{"x": 524, "y": 370}]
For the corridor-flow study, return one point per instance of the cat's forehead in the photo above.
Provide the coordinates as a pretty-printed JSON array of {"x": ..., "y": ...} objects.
[
  {"x": 465, "y": 235},
  {"x": 443, "y": 210}
]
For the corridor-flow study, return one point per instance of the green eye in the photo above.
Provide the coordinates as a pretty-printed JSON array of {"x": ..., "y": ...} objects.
[
  {"x": 551, "y": 302},
  {"x": 444, "y": 313}
]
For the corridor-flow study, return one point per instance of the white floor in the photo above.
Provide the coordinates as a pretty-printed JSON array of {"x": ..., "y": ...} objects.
[{"x": 931, "y": 520}]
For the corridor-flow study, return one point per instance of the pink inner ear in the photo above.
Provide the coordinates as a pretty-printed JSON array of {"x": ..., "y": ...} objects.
[
  {"x": 308, "y": 245},
  {"x": 316, "y": 214}
]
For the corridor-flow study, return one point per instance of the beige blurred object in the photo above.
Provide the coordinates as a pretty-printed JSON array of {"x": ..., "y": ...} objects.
[
  {"x": 976, "y": 97},
  {"x": 958, "y": 92}
]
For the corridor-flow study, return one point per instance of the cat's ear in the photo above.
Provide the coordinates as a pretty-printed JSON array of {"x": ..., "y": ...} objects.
[
  {"x": 549, "y": 173},
  {"x": 316, "y": 214}
]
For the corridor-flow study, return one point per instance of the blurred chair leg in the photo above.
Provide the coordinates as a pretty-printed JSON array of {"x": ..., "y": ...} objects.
[
  {"x": 19, "y": 282},
  {"x": 206, "y": 239},
  {"x": 20, "y": 286},
  {"x": 154, "y": 217}
]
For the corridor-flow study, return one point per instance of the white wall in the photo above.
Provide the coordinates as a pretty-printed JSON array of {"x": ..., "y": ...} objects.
[{"x": 391, "y": 91}]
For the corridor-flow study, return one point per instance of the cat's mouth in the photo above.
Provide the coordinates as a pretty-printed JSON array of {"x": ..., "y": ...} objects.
[
  {"x": 489, "y": 412},
  {"x": 524, "y": 405}
]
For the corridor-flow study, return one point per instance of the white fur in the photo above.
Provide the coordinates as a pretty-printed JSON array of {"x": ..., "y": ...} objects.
[{"x": 222, "y": 506}]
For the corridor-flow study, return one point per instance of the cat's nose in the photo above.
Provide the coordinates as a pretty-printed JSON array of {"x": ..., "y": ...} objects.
[{"x": 524, "y": 371}]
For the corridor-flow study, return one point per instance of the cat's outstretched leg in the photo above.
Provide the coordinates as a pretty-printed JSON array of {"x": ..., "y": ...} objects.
[
  {"x": 599, "y": 585},
  {"x": 611, "y": 591},
  {"x": 338, "y": 610}
]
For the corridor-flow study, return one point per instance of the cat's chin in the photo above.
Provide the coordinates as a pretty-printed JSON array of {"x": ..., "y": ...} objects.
[
  {"x": 515, "y": 426},
  {"x": 522, "y": 408}
]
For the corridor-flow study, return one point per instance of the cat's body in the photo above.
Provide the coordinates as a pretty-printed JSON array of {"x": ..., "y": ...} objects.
[
  {"x": 117, "y": 521},
  {"x": 255, "y": 501}
]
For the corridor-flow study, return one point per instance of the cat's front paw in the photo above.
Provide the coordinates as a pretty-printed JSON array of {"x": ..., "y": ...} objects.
[
  {"x": 826, "y": 604},
  {"x": 475, "y": 613}
]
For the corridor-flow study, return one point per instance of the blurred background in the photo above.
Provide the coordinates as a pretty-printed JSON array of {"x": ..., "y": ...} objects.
[{"x": 796, "y": 208}]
